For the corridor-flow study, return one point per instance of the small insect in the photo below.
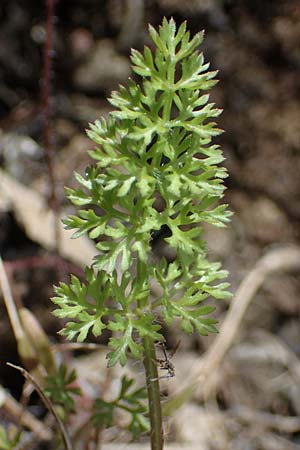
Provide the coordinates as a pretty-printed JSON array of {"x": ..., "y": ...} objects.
[{"x": 166, "y": 364}]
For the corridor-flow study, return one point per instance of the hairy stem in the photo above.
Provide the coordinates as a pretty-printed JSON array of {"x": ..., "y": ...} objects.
[
  {"x": 47, "y": 122},
  {"x": 155, "y": 413}
]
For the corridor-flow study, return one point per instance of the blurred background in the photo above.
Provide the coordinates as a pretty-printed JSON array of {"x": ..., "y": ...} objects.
[{"x": 255, "y": 46}]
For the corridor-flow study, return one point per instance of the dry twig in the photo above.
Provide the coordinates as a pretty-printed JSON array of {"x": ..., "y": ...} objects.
[
  {"x": 203, "y": 377},
  {"x": 282, "y": 424},
  {"x": 273, "y": 349},
  {"x": 281, "y": 259},
  {"x": 25, "y": 418},
  {"x": 10, "y": 305},
  {"x": 32, "y": 212},
  {"x": 48, "y": 404}
]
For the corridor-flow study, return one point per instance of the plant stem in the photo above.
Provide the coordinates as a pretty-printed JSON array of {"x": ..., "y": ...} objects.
[
  {"x": 155, "y": 413},
  {"x": 60, "y": 425},
  {"x": 47, "y": 122}
]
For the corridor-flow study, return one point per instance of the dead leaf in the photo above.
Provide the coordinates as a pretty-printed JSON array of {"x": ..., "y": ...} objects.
[{"x": 38, "y": 221}]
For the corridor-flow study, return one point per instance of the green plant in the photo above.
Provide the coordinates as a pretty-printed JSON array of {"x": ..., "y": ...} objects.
[
  {"x": 130, "y": 401},
  {"x": 60, "y": 389},
  {"x": 10, "y": 437},
  {"x": 155, "y": 168}
]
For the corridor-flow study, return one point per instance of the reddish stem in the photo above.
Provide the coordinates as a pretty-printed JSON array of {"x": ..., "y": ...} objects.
[
  {"x": 47, "y": 126},
  {"x": 47, "y": 122}
]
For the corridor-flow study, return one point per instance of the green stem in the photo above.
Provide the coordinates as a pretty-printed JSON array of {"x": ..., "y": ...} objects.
[
  {"x": 169, "y": 92},
  {"x": 155, "y": 414}
]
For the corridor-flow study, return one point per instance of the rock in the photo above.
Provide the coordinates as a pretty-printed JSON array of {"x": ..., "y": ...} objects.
[
  {"x": 103, "y": 68},
  {"x": 18, "y": 153},
  {"x": 265, "y": 221}
]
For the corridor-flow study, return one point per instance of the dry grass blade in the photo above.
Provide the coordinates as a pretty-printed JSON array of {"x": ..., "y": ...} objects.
[
  {"x": 10, "y": 304},
  {"x": 25, "y": 418},
  {"x": 32, "y": 212},
  {"x": 281, "y": 259},
  {"x": 203, "y": 376},
  {"x": 282, "y": 424},
  {"x": 271, "y": 441},
  {"x": 25, "y": 348},
  {"x": 48, "y": 404},
  {"x": 273, "y": 349}
]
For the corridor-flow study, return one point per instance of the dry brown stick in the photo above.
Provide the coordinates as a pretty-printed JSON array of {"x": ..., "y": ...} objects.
[
  {"x": 10, "y": 304},
  {"x": 48, "y": 404},
  {"x": 280, "y": 353},
  {"x": 32, "y": 213},
  {"x": 17, "y": 412},
  {"x": 280, "y": 259},
  {"x": 280, "y": 423},
  {"x": 72, "y": 346},
  {"x": 47, "y": 122},
  {"x": 202, "y": 374},
  {"x": 273, "y": 441},
  {"x": 46, "y": 88},
  {"x": 24, "y": 346}
]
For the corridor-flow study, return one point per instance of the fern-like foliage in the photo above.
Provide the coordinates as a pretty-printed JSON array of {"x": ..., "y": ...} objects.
[
  {"x": 156, "y": 145},
  {"x": 10, "y": 437},
  {"x": 60, "y": 389},
  {"x": 129, "y": 400}
]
